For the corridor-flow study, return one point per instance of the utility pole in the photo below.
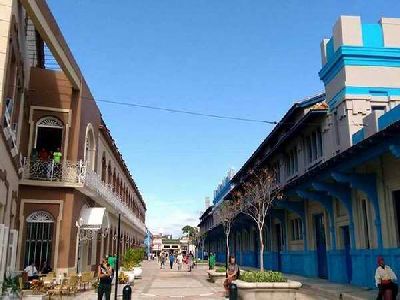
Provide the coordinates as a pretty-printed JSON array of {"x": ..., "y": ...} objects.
[{"x": 117, "y": 261}]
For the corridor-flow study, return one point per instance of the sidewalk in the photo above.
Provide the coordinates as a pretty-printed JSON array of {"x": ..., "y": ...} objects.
[
  {"x": 324, "y": 289},
  {"x": 334, "y": 290}
]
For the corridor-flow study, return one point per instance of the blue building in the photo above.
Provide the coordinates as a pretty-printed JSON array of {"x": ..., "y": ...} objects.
[
  {"x": 337, "y": 160},
  {"x": 148, "y": 241}
]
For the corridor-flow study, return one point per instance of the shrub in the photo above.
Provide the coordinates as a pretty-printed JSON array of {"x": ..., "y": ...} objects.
[
  {"x": 220, "y": 270},
  {"x": 268, "y": 276},
  {"x": 132, "y": 258}
]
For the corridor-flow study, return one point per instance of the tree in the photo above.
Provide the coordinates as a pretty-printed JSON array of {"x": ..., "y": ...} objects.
[
  {"x": 225, "y": 214},
  {"x": 256, "y": 199},
  {"x": 190, "y": 231}
]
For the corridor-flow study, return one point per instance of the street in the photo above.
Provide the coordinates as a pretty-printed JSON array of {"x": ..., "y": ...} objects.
[{"x": 167, "y": 284}]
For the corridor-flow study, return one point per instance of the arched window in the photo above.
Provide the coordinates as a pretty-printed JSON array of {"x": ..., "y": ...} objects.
[
  {"x": 49, "y": 133},
  {"x": 90, "y": 147},
  {"x": 39, "y": 238},
  {"x": 109, "y": 173}
]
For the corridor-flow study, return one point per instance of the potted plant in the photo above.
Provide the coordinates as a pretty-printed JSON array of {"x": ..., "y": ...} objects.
[
  {"x": 11, "y": 286},
  {"x": 266, "y": 285},
  {"x": 131, "y": 262}
]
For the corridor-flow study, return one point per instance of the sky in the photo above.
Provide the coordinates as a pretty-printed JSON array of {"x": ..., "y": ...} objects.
[{"x": 250, "y": 59}]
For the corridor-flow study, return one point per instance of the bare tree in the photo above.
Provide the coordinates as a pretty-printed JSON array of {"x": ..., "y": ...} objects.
[
  {"x": 225, "y": 213},
  {"x": 256, "y": 199}
]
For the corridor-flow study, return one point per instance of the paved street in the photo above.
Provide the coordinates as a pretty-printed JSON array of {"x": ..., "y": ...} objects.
[{"x": 169, "y": 284}]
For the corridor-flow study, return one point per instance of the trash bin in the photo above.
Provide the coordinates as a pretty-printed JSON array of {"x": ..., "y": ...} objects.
[
  {"x": 127, "y": 292},
  {"x": 233, "y": 294}
]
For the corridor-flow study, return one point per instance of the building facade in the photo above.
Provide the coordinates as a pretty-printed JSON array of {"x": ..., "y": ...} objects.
[
  {"x": 336, "y": 157},
  {"x": 63, "y": 181}
]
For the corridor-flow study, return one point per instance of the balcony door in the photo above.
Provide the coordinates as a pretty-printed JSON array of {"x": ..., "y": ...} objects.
[{"x": 49, "y": 133}]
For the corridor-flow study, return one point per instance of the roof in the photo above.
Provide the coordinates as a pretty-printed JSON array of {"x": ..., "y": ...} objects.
[
  {"x": 282, "y": 123},
  {"x": 171, "y": 241}
]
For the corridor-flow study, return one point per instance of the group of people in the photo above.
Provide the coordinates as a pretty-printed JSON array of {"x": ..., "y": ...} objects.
[
  {"x": 53, "y": 169},
  {"x": 33, "y": 273},
  {"x": 178, "y": 259}
]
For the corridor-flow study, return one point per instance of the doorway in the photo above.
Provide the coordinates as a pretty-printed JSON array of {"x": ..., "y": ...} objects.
[
  {"x": 278, "y": 233},
  {"x": 320, "y": 241},
  {"x": 346, "y": 244},
  {"x": 49, "y": 132},
  {"x": 256, "y": 250}
]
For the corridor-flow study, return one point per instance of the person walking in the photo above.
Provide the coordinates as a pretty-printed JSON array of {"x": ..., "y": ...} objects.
[
  {"x": 171, "y": 260},
  {"x": 190, "y": 261},
  {"x": 179, "y": 261},
  {"x": 162, "y": 257},
  {"x": 104, "y": 273}
]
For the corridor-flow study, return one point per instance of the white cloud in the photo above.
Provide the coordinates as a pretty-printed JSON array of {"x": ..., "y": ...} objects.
[{"x": 168, "y": 217}]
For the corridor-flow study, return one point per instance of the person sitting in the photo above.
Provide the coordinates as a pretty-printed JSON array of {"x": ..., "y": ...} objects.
[
  {"x": 46, "y": 269},
  {"x": 31, "y": 271},
  {"x": 385, "y": 280},
  {"x": 232, "y": 273}
]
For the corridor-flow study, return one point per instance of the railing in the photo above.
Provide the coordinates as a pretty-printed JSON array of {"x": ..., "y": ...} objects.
[
  {"x": 94, "y": 183},
  {"x": 67, "y": 171},
  {"x": 77, "y": 173}
]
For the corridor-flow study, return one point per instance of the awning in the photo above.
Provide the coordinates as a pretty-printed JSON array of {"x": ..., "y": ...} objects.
[{"x": 94, "y": 218}]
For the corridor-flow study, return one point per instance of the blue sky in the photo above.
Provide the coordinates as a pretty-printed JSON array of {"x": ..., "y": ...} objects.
[{"x": 233, "y": 57}]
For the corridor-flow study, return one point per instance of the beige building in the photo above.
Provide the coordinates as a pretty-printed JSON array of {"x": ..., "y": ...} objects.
[{"x": 60, "y": 209}]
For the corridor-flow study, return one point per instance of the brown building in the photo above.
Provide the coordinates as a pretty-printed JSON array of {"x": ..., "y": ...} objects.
[{"x": 63, "y": 181}]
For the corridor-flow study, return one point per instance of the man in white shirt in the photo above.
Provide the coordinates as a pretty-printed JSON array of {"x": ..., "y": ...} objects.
[
  {"x": 385, "y": 279},
  {"x": 32, "y": 271}
]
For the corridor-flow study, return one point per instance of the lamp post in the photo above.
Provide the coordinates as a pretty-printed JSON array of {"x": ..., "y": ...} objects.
[
  {"x": 117, "y": 261},
  {"x": 78, "y": 252}
]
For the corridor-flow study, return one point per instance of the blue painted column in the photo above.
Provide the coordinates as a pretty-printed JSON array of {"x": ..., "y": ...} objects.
[{"x": 367, "y": 184}]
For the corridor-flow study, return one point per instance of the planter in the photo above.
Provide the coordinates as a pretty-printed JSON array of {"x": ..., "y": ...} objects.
[
  {"x": 27, "y": 294},
  {"x": 268, "y": 290},
  {"x": 138, "y": 272},
  {"x": 131, "y": 276},
  {"x": 216, "y": 277}
]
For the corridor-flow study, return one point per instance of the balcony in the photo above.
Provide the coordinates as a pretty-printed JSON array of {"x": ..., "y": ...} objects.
[{"x": 76, "y": 175}]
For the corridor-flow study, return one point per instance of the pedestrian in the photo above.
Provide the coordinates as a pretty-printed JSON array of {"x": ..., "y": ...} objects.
[
  {"x": 385, "y": 280},
  {"x": 232, "y": 274},
  {"x": 163, "y": 258},
  {"x": 171, "y": 260},
  {"x": 190, "y": 261},
  {"x": 211, "y": 261},
  {"x": 179, "y": 261},
  {"x": 104, "y": 273}
]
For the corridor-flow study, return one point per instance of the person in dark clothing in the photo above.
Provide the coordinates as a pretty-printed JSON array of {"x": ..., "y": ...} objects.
[
  {"x": 171, "y": 260},
  {"x": 46, "y": 269},
  {"x": 104, "y": 273}
]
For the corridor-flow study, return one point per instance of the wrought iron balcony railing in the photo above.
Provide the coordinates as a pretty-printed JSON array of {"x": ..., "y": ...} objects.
[{"x": 77, "y": 173}]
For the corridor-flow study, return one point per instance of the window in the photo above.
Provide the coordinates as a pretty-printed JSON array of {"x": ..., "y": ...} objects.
[
  {"x": 39, "y": 237},
  {"x": 313, "y": 144},
  {"x": 396, "y": 200},
  {"x": 378, "y": 108},
  {"x": 292, "y": 162},
  {"x": 365, "y": 223},
  {"x": 277, "y": 171},
  {"x": 297, "y": 229}
]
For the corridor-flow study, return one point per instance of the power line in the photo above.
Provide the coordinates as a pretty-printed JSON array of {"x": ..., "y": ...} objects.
[{"x": 188, "y": 112}]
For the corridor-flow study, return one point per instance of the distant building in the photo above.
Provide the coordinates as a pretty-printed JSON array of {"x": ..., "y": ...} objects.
[
  {"x": 148, "y": 241},
  {"x": 224, "y": 187}
]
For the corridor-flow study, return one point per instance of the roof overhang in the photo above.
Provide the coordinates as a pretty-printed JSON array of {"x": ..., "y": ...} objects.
[{"x": 35, "y": 10}]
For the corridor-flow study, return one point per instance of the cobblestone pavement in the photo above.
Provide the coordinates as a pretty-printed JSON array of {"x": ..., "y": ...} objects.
[{"x": 169, "y": 284}]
